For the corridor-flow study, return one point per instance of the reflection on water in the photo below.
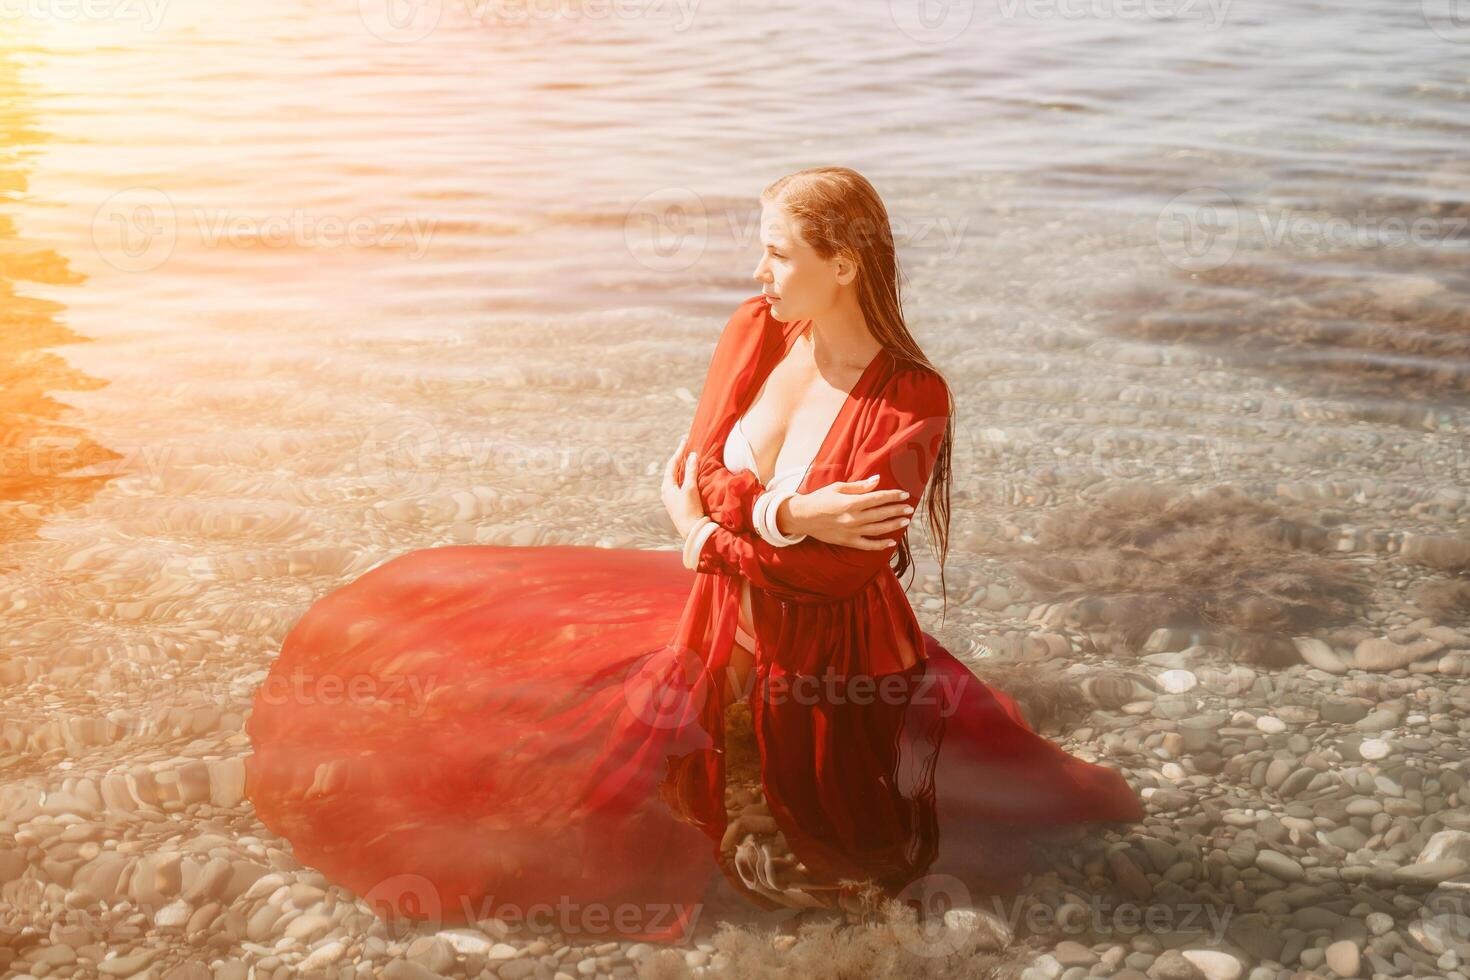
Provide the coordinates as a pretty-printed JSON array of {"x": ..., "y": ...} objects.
[
  {"x": 352, "y": 289},
  {"x": 43, "y": 455}
]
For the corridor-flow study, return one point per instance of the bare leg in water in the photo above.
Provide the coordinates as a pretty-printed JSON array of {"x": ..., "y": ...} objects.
[{"x": 742, "y": 658}]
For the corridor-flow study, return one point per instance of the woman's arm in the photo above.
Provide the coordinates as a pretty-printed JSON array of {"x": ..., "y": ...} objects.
[{"x": 901, "y": 449}]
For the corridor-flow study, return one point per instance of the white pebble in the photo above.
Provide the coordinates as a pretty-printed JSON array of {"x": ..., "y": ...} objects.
[
  {"x": 1213, "y": 964},
  {"x": 1178, "y": 681},
  {"x": 1373, "y": 748}
]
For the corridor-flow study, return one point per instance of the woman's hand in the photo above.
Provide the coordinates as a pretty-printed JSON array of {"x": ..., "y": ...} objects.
[
  {"x": 847, "y": 514},
  {"x": 682, "y": 501}
]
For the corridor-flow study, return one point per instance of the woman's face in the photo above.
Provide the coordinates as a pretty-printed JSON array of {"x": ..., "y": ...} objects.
[{"x": 798, "y": 283}]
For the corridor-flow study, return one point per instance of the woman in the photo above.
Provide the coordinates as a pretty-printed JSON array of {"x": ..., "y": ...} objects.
[{"x": 539, "y": 728}]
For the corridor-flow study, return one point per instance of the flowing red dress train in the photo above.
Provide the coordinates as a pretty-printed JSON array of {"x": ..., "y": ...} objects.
[
  {"x": 470, "y": 731},
  {"x": 536, "y": 734}
]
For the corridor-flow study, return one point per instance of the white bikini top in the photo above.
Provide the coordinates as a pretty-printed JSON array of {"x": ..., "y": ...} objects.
[{"x": 739, "y": 455}]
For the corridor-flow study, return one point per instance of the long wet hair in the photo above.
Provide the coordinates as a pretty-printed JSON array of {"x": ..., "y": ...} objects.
[{"x": 840, "y": 212}]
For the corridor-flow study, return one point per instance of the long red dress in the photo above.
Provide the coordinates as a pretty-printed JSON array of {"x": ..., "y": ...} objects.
[{"x": 537, "y": 733}]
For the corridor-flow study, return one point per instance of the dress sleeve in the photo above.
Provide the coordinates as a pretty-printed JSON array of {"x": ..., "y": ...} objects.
[
  {"x": 901, "y": 447},
  {"x": 733, "y": 499},
  {"x": 729, "y": 498}
]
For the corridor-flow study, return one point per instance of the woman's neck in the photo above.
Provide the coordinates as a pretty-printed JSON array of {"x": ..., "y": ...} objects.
[{"x": 839, "y": 337}]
